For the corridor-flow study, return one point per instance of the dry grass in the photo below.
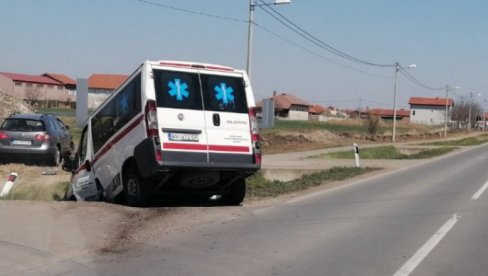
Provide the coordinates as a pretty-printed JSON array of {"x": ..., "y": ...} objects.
[{"x": 32, "y": 184}]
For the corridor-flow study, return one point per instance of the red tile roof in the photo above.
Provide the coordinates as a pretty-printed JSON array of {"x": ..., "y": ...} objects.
[
  {"x": 106, "y": 81},
  {"x": 284, "y": 101},
  {"x": 389, "y": 112},
  {"x": 430, "y": 101},
  {"x": 60, "y": 78},
  {"x": 30, "y": 78},
  {"x": 317, "y": 109}
]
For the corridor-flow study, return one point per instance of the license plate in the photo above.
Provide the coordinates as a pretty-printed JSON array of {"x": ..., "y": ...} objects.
[
  {"x": 21, "y": 143},
  {"x": 188, "y": 137}
]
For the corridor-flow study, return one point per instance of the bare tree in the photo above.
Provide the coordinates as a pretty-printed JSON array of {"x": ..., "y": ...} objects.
[
  {"x": 460, "y": 111},
  {"x": 32, "y": 94}
]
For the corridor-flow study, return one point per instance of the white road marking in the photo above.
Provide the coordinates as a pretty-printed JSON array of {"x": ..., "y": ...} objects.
[
  {"x": 423, "y": 251},
  {"x": 480, "y": 191}
]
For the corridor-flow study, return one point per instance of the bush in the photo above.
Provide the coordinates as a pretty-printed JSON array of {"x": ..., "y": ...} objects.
[{"x": 372, "y": 125}]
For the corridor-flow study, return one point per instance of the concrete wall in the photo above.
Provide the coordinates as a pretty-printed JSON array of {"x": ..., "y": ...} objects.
[
  {"x": 97, "y": 96},
  {"x": 427, "y": 115},
  {"x": 298, "y": 112},
  {"x": 6, "y": 85}
]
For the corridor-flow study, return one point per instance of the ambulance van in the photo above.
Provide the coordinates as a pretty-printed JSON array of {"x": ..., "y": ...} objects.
[{"x": 171, "y": 128}]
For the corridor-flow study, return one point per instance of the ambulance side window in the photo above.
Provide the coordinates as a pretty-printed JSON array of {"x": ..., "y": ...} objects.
[{"x": 83, "y": 145}]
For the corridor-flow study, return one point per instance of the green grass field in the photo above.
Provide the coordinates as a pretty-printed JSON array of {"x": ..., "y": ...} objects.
[
  {"x": 386, "y": 152},
  {"x": 258, "y": 186},
  {"x": 469, "y": 141}
]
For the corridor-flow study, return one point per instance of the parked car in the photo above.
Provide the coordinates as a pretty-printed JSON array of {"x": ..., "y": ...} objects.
[{"x": 34, "y": 137}]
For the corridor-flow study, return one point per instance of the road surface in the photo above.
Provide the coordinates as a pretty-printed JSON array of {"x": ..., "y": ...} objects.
[{"x": 429, "y": 219}]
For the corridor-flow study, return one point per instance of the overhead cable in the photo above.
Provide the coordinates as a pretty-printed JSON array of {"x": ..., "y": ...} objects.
[{"x": 308, "y": 36}]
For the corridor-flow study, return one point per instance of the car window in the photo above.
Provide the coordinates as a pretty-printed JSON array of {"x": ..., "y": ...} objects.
[
  {"x": 222, "y": 93},
  {"x": 60, "y": 124},
  {"x": 55, "y": 124},
  {"x": 26, "y": 125},
  {"x": 177, "y": 90},
  {"x": 83, "y": 145}
]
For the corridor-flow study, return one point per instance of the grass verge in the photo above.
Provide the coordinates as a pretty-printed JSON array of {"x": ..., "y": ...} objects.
[
  {"x": 258, "y": 186},
  {"x": 386, "y": 152},
  {"x": 38, "y": 192},
  {"x": 469, "y": 141}
]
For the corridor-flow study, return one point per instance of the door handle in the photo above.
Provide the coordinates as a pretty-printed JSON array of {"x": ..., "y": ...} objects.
[{"x": 216, "y": 119}]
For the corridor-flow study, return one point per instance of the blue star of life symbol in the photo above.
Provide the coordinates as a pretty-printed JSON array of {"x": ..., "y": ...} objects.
[
  {"x": 224, "y": 93},
  {"x": 123, "y": 103},
  {"x": 178, "y": 89}
]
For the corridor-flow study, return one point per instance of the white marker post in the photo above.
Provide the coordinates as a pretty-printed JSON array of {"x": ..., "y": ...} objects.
[
  {"x": 9, "y": 184},
  {"x": 356, "y": 154}
]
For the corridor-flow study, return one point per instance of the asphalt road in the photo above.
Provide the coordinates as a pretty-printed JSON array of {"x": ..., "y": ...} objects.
[{"x": 428, "y": 219}]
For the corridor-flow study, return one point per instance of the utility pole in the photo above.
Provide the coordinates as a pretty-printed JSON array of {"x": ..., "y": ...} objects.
[
  {"x": 397, "y": 69},
  {"x": 469, "y": 114}
]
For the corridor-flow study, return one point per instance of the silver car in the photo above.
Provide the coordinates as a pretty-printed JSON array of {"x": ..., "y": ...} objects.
[{"x": 28, "y": 137}]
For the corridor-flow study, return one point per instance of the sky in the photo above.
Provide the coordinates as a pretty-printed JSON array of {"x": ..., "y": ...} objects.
[{"x": 446, "y": 39}]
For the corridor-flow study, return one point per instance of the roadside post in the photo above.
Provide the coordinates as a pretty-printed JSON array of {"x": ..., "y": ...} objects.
[
  {"x": 356, "y": 154},
  {"x": 9, "y": 184}
]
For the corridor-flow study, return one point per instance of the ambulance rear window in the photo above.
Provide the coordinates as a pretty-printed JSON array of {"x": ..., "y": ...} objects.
[
  {"x": 222, "y": 93},
  {"x": 177, "y": 90}
]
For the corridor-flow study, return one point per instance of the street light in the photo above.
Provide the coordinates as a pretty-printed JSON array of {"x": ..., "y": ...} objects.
[
  {"x": 252, "y": 7},
  {"x": 397, "y": 69},
  {"x": 447, "y": 110}
]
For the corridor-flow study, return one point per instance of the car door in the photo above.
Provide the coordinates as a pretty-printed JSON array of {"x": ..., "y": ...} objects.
[
  {"x": 83, "y": 179},
  {"x": 63, "y": 133},
  {"x": 227, "y": 117},
  {"x": 181, "y": 120}
]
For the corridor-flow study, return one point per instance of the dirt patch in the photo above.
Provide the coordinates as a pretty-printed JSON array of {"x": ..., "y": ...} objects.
[
  {"x": 9, "y": 105},
  {"x": 286, "y": 141}
]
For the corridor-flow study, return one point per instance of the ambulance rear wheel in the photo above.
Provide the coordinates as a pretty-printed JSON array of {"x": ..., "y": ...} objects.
[
  {"x": 134, "y": 189},
  {"x": 236, "y": 194}
]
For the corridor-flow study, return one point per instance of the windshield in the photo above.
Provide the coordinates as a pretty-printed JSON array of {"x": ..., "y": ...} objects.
[{"x": 24, "y": 125}]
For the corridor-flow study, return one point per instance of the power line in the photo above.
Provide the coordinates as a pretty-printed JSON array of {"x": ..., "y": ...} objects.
[
  {"x": 313, "y": 39},
  {"x": 198, "y": 13},
  {"x": 193, "y": 12},
  {"x": 417, "y": 82},
  {"x": 317, "y": 54}
]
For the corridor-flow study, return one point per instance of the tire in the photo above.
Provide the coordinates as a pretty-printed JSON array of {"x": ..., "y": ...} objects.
[
  {"x": 236, "y": 194},
  {"x": 135, "y": 190},
  {"x": 55, "y": 159}
]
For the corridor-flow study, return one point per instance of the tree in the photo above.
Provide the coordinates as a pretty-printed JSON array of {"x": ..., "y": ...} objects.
[
  {"x": 460, "y": 111},
  {"x": 32, "y": 94}
]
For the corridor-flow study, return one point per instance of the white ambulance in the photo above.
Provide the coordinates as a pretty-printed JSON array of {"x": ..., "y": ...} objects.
[{"x": 172, "y": 128}]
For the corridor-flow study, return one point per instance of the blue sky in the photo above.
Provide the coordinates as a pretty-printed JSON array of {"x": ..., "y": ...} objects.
[{"x": 446, "y": 39}]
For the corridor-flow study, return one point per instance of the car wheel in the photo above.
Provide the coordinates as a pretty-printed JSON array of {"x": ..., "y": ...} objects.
[
  {"x": 55, "y": 159},
  {"x": 135, "y": 190},
  {"x": 236, "y": 194}
]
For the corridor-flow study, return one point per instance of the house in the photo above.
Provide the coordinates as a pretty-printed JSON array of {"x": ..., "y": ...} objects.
[
  {"x": 67, "y": 82},
  {"x": 387, "y": 114},
  {"x": 100, "y": 86},
  {"x": 34, "y": 88},
  {"x": 429, "y": 111},
  {"x": 288, "y": 107},
  {"x": 318, "y": 113}
]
